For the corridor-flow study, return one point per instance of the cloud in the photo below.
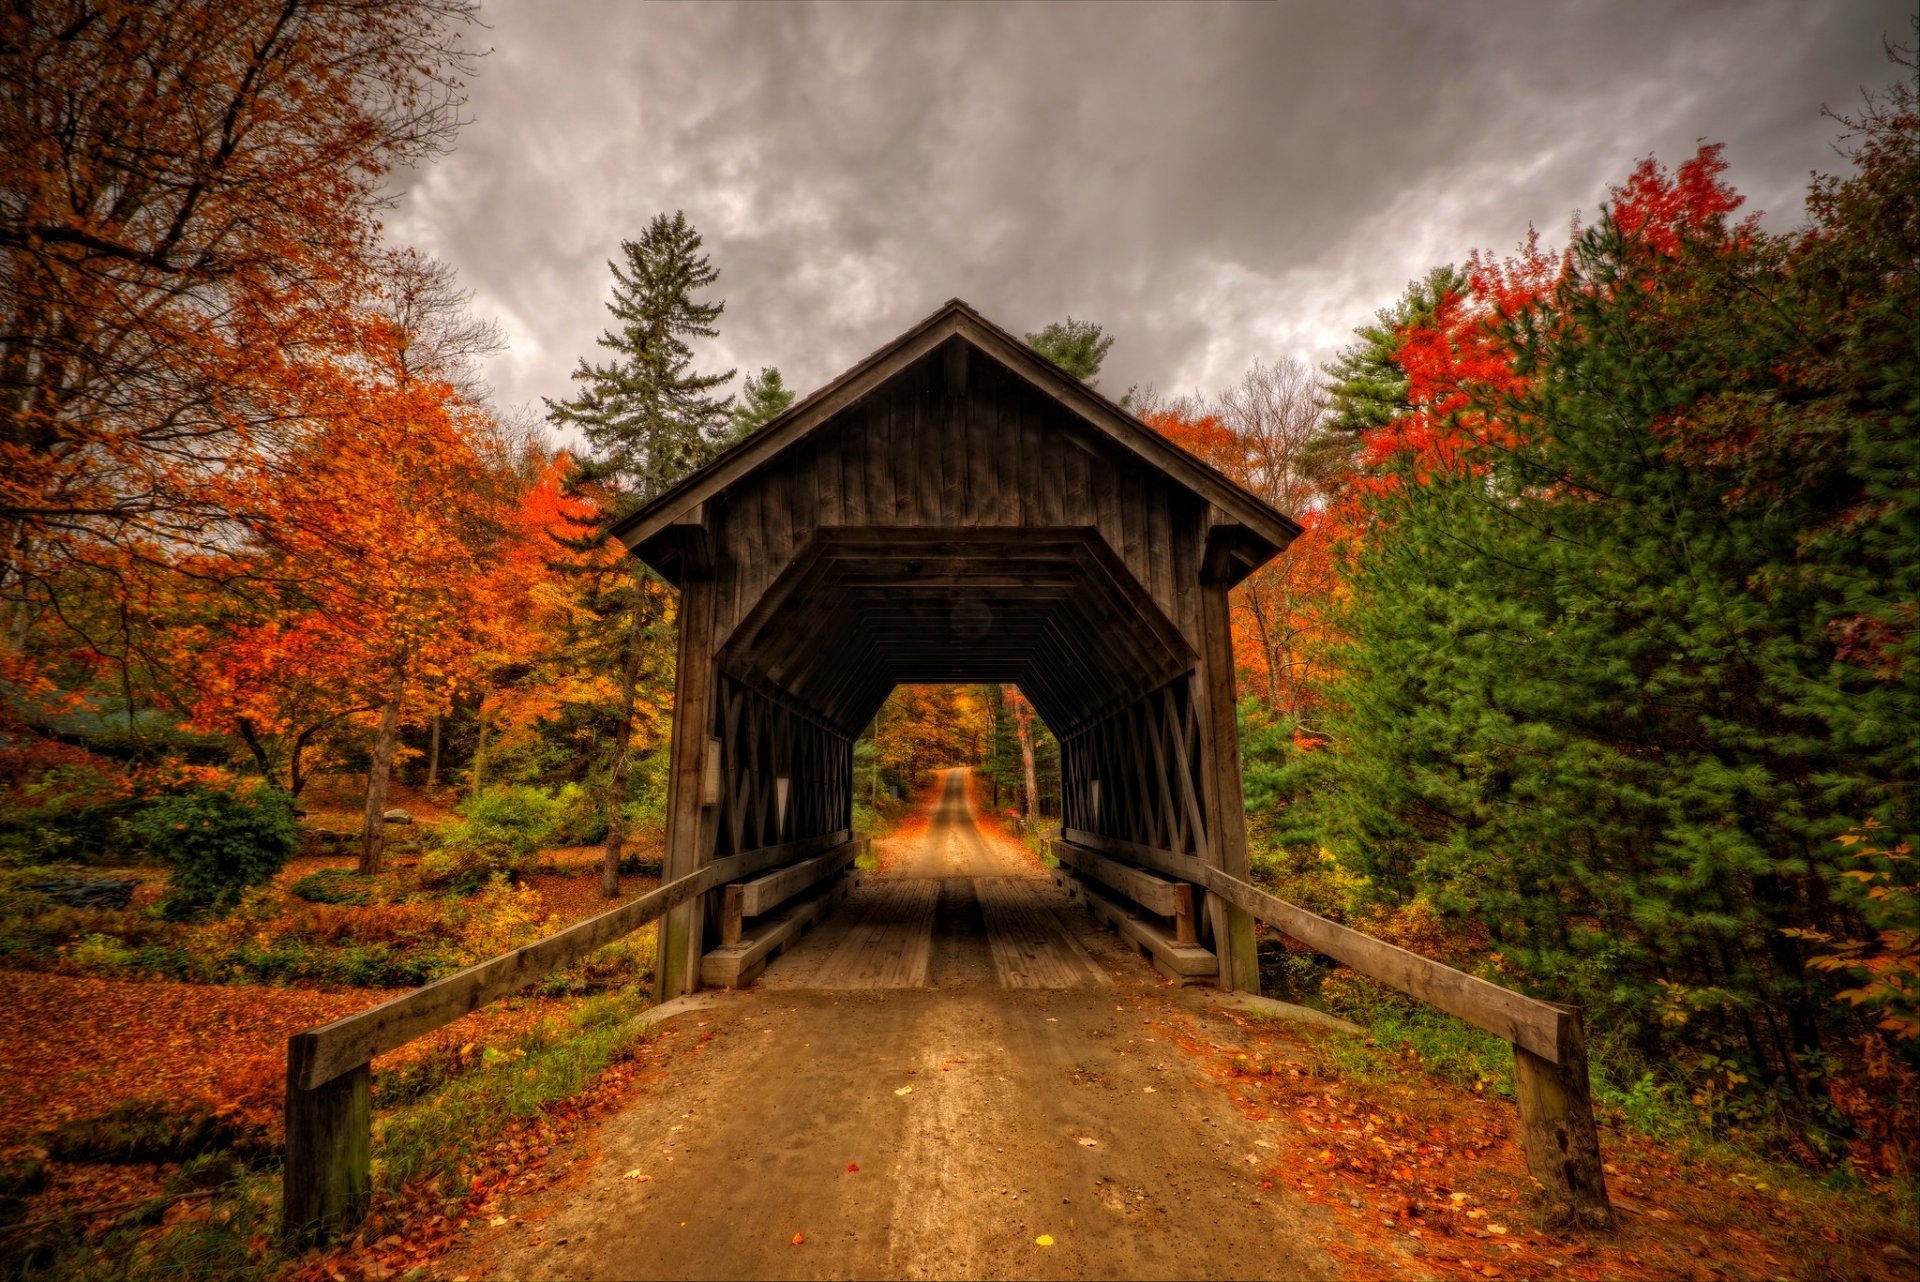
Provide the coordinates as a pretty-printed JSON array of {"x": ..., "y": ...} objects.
[{"x": 1215, "y": 185}]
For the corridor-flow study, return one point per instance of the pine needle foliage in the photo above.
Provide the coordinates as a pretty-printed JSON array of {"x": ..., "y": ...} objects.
[{"x": 1628, "y": 676}]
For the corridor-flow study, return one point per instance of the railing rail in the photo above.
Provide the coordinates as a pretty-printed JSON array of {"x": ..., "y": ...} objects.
[
  {"x": 327, "y": 1178},
  {"x": 1551, "y": 1084}
]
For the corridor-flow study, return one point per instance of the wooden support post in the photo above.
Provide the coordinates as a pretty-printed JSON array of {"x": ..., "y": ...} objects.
[
  {"x": 1226, "y": 805},
  {"x": 731, "y": 914},
  {"x": 1183, "y": 925},
  {"x": 689, "y": 818},
  {"x": 328, "y": 1181},
  {"x": 1557, "y": 1131}
]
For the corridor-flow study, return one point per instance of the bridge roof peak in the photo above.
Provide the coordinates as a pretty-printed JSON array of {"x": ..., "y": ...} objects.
[{"x": 1266, "y": 529}]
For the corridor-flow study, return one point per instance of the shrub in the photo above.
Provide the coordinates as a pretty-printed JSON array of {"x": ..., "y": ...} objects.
[
  {"x": 66, "y": 832},
  {"x": 501, "y": 918},
  {"x": 102, "y": 953},
  {"x": 334, "y": 886},
  {"x": 218, "y": 844},
  {"x": 580, "y": 816},
  {"x": 500, "y": 830}
]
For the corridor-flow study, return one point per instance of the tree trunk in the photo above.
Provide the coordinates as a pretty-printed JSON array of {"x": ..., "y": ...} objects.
[
  {"x": 433, "y": 755},
  {"x": 477, "y": 772},
  {"x": 1023, "y": 719},
  {"x": 373, "y": 831},
  {"x": 623, "y": 744}
]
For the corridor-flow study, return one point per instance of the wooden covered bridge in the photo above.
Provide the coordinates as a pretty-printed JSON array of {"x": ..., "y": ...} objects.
[
  {"x": 952, "y": 509},
  {"x": 956, "y": 509}
]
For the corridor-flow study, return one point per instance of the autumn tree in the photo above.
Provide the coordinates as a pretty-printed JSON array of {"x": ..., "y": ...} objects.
[
  {"x": 188, "y": 196},
  {"x": 1365, "y": 384},
  {"x": 648, "y": 418}
]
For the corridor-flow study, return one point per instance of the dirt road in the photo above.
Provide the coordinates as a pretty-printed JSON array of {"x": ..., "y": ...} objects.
[{"x": 955, "y": 1065}]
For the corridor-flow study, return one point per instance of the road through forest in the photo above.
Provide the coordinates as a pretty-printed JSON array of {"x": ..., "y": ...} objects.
[{"x": 982, "y": 1054}]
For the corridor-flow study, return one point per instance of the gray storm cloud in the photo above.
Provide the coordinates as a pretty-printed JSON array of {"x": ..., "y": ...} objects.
[{"x": 1214, "y": 184}]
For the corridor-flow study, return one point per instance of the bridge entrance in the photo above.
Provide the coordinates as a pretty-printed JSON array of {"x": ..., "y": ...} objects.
[{"x": 956, "y": 509}]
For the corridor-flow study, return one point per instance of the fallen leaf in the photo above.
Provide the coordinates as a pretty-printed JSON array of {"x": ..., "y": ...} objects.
[
  {"x": 853, "y": 1166},
  {"x": 636, "y": 1174},
  {"x": 799, "y": 1238},
  {"x": 497, "y": 1221},
  {"x": 1043, "y": 1240},
  {"x": 904, "y": 1090},
  {"x": 1087, "y": 1141}
]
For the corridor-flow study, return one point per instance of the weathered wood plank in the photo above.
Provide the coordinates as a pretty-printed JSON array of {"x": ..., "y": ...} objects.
[
  {"x": 1557, "y": 1132},
  {"x": 1535, "y": 1026},
  {"x": 892, "y": 945},
  {"x": 1185, "y": 963},
  {"x": 356, "y": 1039},
  {"x": 1029, "y": 946},
  {"x": 765, "y": 893},
  {"x": 1155, "y": 894},
  {"x": 1525, "y": 1021},
  {"x": 739, "y": 964}
]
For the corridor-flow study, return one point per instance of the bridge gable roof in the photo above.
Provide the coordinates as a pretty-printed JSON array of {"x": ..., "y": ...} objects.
[{"x": 1263, "y": 530}]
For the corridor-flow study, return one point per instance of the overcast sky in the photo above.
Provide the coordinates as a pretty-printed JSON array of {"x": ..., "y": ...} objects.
[{"x": 1215, "y": 185}]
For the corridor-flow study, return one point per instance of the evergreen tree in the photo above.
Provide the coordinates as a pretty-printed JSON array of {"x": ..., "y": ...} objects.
[
  {"x": 764, "y": 398},
  {"x": 1078, "y": 347},
  {"x": 1365, "y": 386},
  {"x": 647, "y": 416},
  {"x": 1621, "y": 674},
  {"x": 648, "y": 419}
]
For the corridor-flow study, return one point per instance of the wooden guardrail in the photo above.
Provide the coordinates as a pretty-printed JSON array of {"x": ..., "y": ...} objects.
[
  {"x": 767, "y": 892},
  {"x": 327, "y": 1181},
  {"x": 1154, "y": 893},
  {"x": 1551, "y": 1084}
]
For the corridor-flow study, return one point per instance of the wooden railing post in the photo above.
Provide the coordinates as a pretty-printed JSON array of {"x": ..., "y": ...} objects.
[
  {"x": 327, "y": 1183},
  {"x": 1557, "y": 1130},
  {"x": 731, "y": 912},
  {"x": 1183, "y": 927}
]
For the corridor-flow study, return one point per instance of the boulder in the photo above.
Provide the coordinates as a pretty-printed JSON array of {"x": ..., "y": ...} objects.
[
  {"x": 397, "y": 816},
  {"x": 85, "y": 894}
]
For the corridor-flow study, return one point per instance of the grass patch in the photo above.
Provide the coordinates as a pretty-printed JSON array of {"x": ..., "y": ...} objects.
[
  {"x": 226, "y": 1234},
  {"x": 436, "y": 1138},
  {"x": 334, "y": 886}
]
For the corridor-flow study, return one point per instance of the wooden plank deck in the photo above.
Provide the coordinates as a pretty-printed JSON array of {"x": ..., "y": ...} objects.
[
  {"x": 891, "y": 944},
  {"x": 1031, "y": 947}
]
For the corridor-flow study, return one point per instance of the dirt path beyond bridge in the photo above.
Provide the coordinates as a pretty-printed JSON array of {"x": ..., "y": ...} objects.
[{"x": 955, "y": 1067}]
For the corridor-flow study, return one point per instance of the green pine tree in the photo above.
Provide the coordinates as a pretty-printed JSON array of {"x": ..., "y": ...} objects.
[
  {"x": 1078, "y": 347},
  {"x": 1365, "y": 386},
  {"x": 1636, "y": 690},
  {"x": 648, "y": 419},
  {"x": 647, "y": 416},
  {"x": 764, "y": 398}
]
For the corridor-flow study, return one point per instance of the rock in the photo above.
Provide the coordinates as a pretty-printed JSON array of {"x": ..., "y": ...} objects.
[
  {"x": 85, "y": 894},
  {"x": 397, "y": 816}
]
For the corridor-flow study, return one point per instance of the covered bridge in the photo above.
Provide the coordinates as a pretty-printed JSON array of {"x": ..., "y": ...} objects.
[{"x": 956, "y": 509}]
